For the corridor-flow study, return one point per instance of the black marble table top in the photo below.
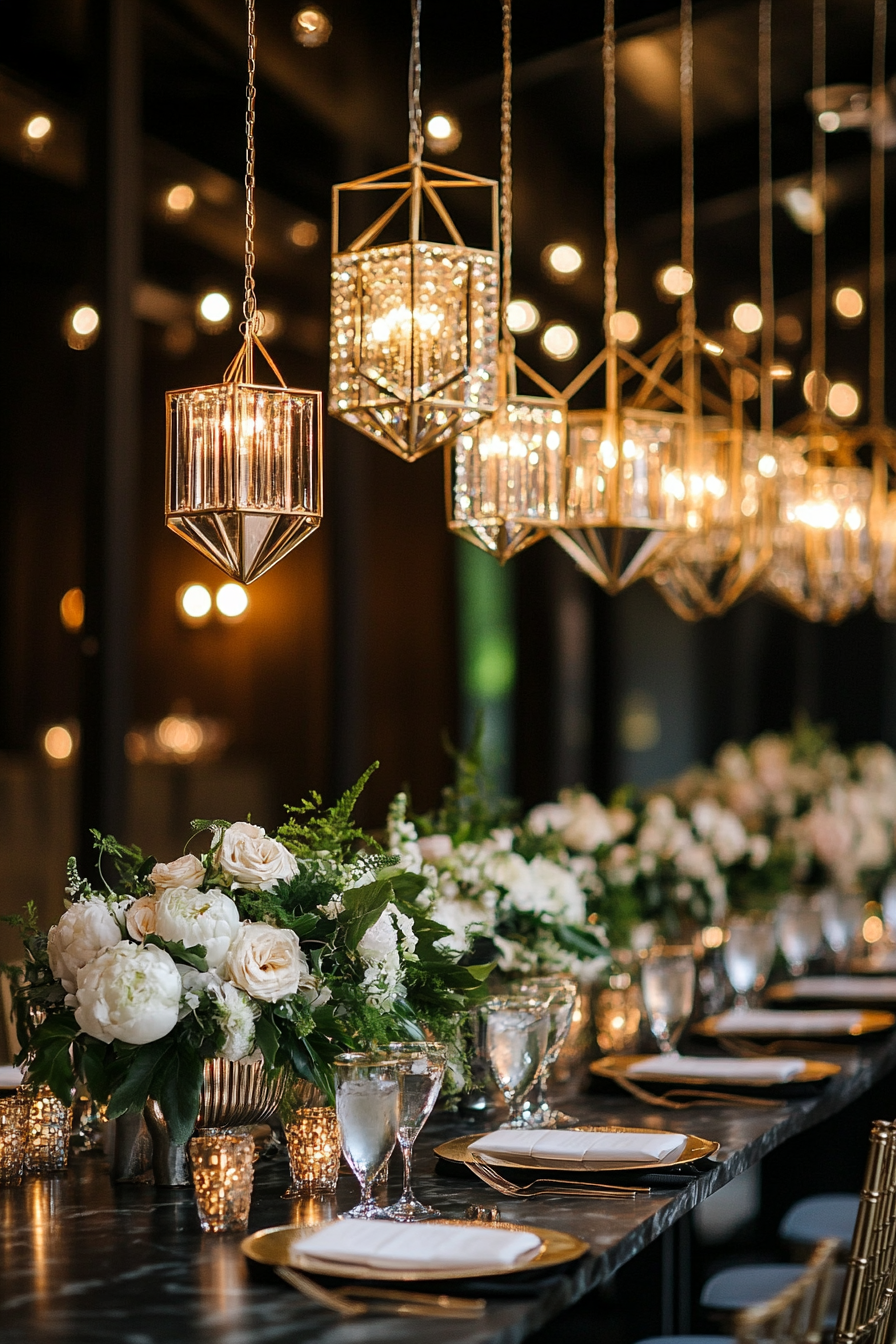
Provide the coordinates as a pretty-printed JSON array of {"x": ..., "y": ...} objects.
[{"x": 83, "y": 1261}]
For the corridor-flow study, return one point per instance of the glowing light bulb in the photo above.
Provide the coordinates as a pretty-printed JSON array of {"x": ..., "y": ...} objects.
[
  {"x": 747, "y": 317},
  {"x": 822, "y": 514},
  {"x": 843, "y": 400},
  {"x": 768, "y": 466},
  {"x": 829, "y": 121},
  {"x": 194, "y": 602},
  {"x": 713, "y": 348},
  {"x": 562, "y": 260},
  {"x": 214, "y": 308},
  {"x": 81, "y": 326},
  {"x": 36, "y": 129},
  {"x": 58, "y": 743},
  {"x": 71, "y": 610},
  {"x": 270, "y": 324},
  {"x": 179, "y": 734},
  {"x": 311, "y": 27},
  {"x": 805, "y": 211},
  {"x": 675, "y": 281},
  {"x": 85, "y": 320},
  {"x": 442, "y": 132},
  {"x": 232, "y": 600},
  {"x": 304, "y": 234},
  {"x": 180, "y": 199},
  {"x": 781, "y": 370},
  {"x": 522, "y": 316},
  {"x": 625, "y": 327},
  {"x": 559, "y": 341},
  {"x": 848, "y": 303}
]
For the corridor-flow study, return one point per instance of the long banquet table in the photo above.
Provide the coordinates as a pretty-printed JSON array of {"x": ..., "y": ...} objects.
[{"x": 83, "y": 1261}]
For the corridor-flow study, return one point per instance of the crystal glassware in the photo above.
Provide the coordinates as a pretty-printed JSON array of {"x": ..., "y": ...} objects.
[
  {"x": 49, "y": 1131},
  {"x": 841, "y": 919},
  {"x": 421, "y": 1068},
  {"x": 223, "y": 1171},
  {"x": 312, "y": 1142},
  {"x": 13, "y": 1138},
  {"x": 748, "y": 952},
  {"x": 798, "y": 927},
  {"x": 559, "y": 993},
  {"x": 668, "y": 978},
  {"x": 368, "y": 1105},
  {"x": 517, "y": 1030}
]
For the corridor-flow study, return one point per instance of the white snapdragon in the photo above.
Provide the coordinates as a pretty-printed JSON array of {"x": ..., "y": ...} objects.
[
  {"x": 131, "y": 993},
  {"x": 381, "y": 949},
  {"x": 254, "y": 859},
  {"x": 86, "y": 928},
  {"x": 198, "y": 918}
]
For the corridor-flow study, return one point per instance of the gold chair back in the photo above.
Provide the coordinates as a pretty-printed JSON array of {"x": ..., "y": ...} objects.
[
  {"x": 868, "y": 1290},
  {"x": 796, "y": 1314}
]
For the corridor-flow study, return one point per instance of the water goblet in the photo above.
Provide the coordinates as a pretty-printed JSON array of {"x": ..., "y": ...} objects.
[
  {"x": 841, "y": 917},
  {"x": 559, "y": 992},
  {"x": 668, "y": 978},
  {"x": 516, "y": 1034},
  {"x": 421, "y": 1068},
  {"x": 798, "y": 928},
  {"x": 367, "y": 1107},
  {"x": 748, "y": 953}
]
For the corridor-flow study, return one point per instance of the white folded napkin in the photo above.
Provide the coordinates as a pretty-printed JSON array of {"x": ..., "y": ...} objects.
[
  {"x": 10, "y": 1076},
  {"x": 746, "y": 1070},
  {"x": 771, "y": 1022},
  {"x": 845, "y": 987},
  {"x": 420, "y": 1246},
  {"x": 567, "y": 1148}
]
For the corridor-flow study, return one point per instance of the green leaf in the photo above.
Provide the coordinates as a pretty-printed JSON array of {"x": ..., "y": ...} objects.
[
  {"x": 363, "y": 907},
  {"x": 177, "y": 1086},
  {"x": 129, "y": 1097},
  {"x": 190, "y": 956},
  {"x": 267, "y": 1038},
  {"x": 408, "y": 886},
  {"x": 581, "y": 941},
  {"x": 94, "y": 1068}
]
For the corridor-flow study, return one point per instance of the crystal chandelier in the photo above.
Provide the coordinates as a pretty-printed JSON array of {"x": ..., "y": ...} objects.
[
  {"x": 414, "y": 323},
  {"x": 243, "y": 459},
  {"x": 504, "y": 477}
]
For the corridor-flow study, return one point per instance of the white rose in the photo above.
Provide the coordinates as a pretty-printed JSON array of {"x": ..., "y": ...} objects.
[
  {"x": 590, "y": 826},
  {"x": 548, "y": 817},
  {"x": 129, "y": 993},
  {"x": 435, "y": 847},
  {"x": 86, "y": 928},
  {"x": 140, "y": 917},
  {"x": 254, "y": 859},
  {"x": 186, "y": 871},
  {"x": 198, "y": 918},
  {"x": 268, "y": 963}
]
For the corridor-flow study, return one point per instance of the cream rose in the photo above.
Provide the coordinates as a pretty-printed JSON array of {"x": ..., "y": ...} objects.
[
  {"x": 194, "y": 918},
  {"x": 254, "y": 859},
  {"x": 86, "y": 928},
  {"x": 186, "y": 871},
  {"x": 129, "y": 993},
  {"x": 268, "y": 963},
  {"x": 141, "y": 917}
]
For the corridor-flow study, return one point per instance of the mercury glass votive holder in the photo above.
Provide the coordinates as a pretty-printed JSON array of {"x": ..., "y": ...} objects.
[
  {"x": 49, "y": 1129},
  {"x": 312, "y": 1141},
  {"x": 222, "y": 1178},
  {"x": 13, "y": 1138}
]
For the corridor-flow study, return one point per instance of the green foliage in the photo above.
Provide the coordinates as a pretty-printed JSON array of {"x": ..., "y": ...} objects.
[
  {"x": 189, "y": 956},
  {"x": 313, "y": 830},
  {"x": 131, "y": 864},
  {"x": 619, "y": 910},
  {"x": 469, "y": 810}
]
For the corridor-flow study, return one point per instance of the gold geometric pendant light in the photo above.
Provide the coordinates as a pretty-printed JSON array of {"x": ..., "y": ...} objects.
[
  {"x": 504, "y": 477},
  {"x": 243, "y": 459},
  {"x": 414, "y": 323}
]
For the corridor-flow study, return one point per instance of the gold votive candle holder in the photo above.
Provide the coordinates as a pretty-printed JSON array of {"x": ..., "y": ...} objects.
[
  {"x": 222, "y": 1166},
  {"x": 48, "y": 1131},
  {"x": 13, "y": 1138},
  {"x": 312, "y": 1141}
]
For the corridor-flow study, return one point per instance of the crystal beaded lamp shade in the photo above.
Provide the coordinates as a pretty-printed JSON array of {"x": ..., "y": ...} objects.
[
  {"x": 244, "y": 477},
  {"x": 821, "y": 564},
  {"x": 625, "y": 493},
  {"x": 885, "y": 569},
  {"x": 504, "y": 477},
  {"x": 725, "y": 555}
]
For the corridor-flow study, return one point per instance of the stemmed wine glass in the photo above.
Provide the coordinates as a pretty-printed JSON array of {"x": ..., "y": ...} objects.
[
  {"x": 559, "y": 992},
  {"x": 799, "y": 933},
  {"x": 748, "y": 953},
  {"x": 421, "y": 1068},
  {"x": 368, "y": 1111},
  {"x": 668, "y": 977},
  {"x": 516, "y": 1041},
  {"x": 841, "y": 916}
]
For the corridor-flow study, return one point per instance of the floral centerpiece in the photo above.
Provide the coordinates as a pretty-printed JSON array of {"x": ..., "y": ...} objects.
[{"x": 283, "y": 949}]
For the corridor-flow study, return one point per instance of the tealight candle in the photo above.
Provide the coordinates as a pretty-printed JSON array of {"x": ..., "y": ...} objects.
[
  {"x": 13, "y": 1136},
  {"x": 222, "y": 1177},
  {"x": 312, "y": 1141},
  {"x": 49, "y": 1129}
]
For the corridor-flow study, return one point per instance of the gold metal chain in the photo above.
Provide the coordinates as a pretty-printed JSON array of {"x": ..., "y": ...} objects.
[
  {"x": 249, "y": 304},
  {"x": 766, "y": 206},
  {"x": 819, "y": 195},
  {"x": 506, "y": 173},
  {"x": 611, "y": 248},
  {"x": 415, "y": 116},
  {"x": 877, "y": 265},
  {"x": 688, "y": 302}
]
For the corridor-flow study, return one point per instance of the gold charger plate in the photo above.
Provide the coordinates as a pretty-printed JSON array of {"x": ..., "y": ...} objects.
[
  {"x": 784, "y": 993},
  {"x": 616, "y": 1066},
  {"x": 871, "y": 1020},
  {"x": 458, "y": 1150},
  {"x": 280, "y": 1246}
]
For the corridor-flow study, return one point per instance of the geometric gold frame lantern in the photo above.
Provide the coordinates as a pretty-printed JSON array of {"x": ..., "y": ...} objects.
[
  {"x": 414, "y": 323},
  {"x": 243, "y": 469}
]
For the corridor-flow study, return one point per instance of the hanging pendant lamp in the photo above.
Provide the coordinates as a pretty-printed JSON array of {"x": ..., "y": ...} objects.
[
  {"x": 822, "y": 551},
  {"x": 414, "y": 323},
  {"x": 504, "y": 477},
  {"x": 244, "y": 472}
]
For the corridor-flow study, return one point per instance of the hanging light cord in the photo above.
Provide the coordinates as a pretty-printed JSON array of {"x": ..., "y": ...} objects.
[
  {"x": 506, "y": 178},
  {"x": 766, "y": 204},
  {"x": 688, "y": 303},
  {"x": 249, "y": 304},
  {"x": 819, "y": 195},
  {"x": 415, "y": 116},
  {"x": 876, "y": 268},
  {"x": 611, "y": 248}
]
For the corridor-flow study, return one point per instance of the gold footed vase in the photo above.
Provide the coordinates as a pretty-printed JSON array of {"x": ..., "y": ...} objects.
[{"x": 233, "y": 1095}]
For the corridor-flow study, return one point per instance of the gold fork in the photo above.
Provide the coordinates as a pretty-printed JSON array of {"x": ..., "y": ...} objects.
[
  {"x": 387, "y": 1300},
  {"x": 579, "y": 1189}
]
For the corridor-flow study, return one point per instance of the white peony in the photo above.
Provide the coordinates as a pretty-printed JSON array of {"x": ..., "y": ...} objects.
[
  {"x": 590, "y": 825},
  {"x": 465, "y": 919},
  {"x": 198, "y": 918},
  {"x": 130, "y": 992},
  {"x": 268, "y": 963},
  {"x": 435, "y": 847},
  {"x": 86, "y": 928},
  {"x": 254, "y": 859},
  {"x": 140, "y": 917},
  {"x": 548, "y": 817},
  {"x": 186, "y": 871}
]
